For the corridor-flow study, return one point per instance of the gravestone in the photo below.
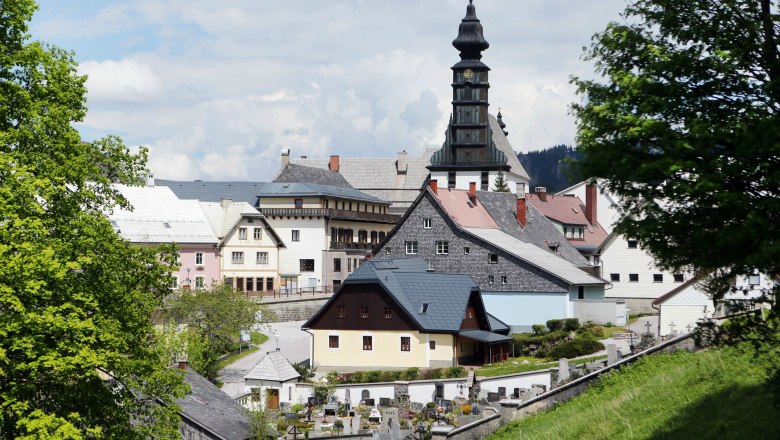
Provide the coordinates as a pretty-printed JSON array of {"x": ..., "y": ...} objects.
[
  {"x": 384, "y": 401},
  {"x": 347, "y": 426},
  {"x": 368, "y": 402},
  {"x": 612, "y": 355},
  {"x": 389, "y": 418},
  {"x": 502, "y": 391},
  {"x": 563, "y": 369},
  {"x": 492, "y": 397},
  {"x": 317, "y": 425}
]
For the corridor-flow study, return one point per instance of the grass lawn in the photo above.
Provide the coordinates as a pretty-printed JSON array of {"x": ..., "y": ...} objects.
[
  {"x": 516, "y": 365},
  {"x": 717, "y": 393}
]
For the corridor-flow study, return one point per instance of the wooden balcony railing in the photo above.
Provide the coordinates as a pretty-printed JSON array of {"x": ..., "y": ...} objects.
[{"x": 336, "y": 214}]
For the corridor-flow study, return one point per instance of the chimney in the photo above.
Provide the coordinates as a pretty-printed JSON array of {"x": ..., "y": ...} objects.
[
  {"x": 473, "y": 192},
  {"x": 402, "y": 163},
  {"x": 334, "y": 163},
  {"x": 226, "y": 203},
  {"x": 591, "y": 195},
  {"x": 150, "y": 179},
  {"x": 522, "y": 212},
  {"x": 285, "y": 157},
  {"x": 434, "y": 186},
  {"x": 541, "y": 192}
]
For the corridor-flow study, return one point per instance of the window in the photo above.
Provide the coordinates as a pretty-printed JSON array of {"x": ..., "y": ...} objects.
[
  {"x": 237, "y": 258},
  {"x": 580, "y": 292},
  {"x": 229, "y": 281},
  {"x": 491, "y": 279},
  {"x": 259, "y": 284},
  {"x": 337, "y": 265},
  {"x": 388, "y": 312},
  {"x": 442, "y": 247},
  {"x": 333, "y": 341},
  {"x": 469, "y": 312},
  {"x": 177, "y": 258},
  {"x": 411, "y": 247},
  {"x": 349, "y": 264},
  {"x": 388, "y": 250},
  {"x": 242, "y": 233},
  {"x": 427, "y": 222},
  {"x": 341, "y": 312},
  {"x": 296, "y": 235},
  {"x": 614, "y": 277},
  {"x": 362, "y": 236},
  {"x": 262, "y": 258},
  {"x": 298, "y": 203},
  {"x": 484, "y": 181},
  {"x": 632, "y": 244},
  {"x": 173, "y": 283},
  {"x": 307, "y": 265},
  {"x": 258, "y": 233},
  {"x": 199, "y": 282},
  {"x": 250, "y": 284},
  {"x": 678, "y": 278},
  {"x": 466, "y": 250},
  {"x": 432, "y": 345},
  {"x": 451, "y": 179},
  {"x": 363, "y": 312},
  {"x": 492, "y": 258},
  {"x": 199, "y": 258},
  {"x": 269, "y": 284},
  {"x": 658, "y": 278},
  {"x": 503, "y": 279},
  {"x": 336, "y": 284},
  {"x": 368, "y": 343},
  {"x": 240, "y": 284},
  {"x": 406, "y": 343},
  {"x": 424, "y": 308},
  {"x": 633, "y": 277}
]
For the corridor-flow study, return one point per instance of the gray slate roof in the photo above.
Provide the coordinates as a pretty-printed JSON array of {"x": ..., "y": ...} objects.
[
  {"x": 502, "y": 143},
  {"x": 214, "y": 191},
  {"x": 538, "y": 231},
  {"x": 213, "y": 410},
  {"x": 411, "y": 285},
  {"x": 293, "y": 173},
  {"x": 275, "y": 189},
  {"x": 273, "y": 367}
]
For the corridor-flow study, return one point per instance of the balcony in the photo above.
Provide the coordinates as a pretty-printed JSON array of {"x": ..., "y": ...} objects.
[
  {"x": 335, "y": 214},
  {"x": 345, "y": 245}
]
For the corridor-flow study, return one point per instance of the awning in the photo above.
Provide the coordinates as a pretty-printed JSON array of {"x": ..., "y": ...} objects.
[{"x": 484, "y": 336}]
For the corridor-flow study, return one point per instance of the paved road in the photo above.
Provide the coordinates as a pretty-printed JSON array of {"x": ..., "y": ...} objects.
[{"x": 292, "y": 342}]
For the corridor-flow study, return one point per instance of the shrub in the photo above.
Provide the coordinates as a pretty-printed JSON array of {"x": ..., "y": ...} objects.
[
  {"x": 555, "y": 324},
  {"x": 431, "y": 373},
  {"x": 390, "y": 376},
  {"x": 571, "y": 324},
  {"x": 538, "y": 329},
  {"x": 282, "y": 426},
  {"x": 297, "y": 407},
  {"x": 412, "y": 373},
  {"x": 430, "y": 405},
  {"x": 574, "y": 348},
  {"x": 455, "y": 371},
  {"x": 358, "y": 377},
  {"x": 373, "y": 376},
  {"x": 609, "y": 324}
]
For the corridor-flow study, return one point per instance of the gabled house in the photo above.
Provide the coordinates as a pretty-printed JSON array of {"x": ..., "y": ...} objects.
[
  {"x": 631, "y": 270},
  {"x": 680, "y": 309},
  {"x": 158, "y": 217},
  {"x": 270, "y": 382},
  {"x": 527, "y": 272},
  {"x": 396, "y": 313},
  {"x": 249, "y": 247},
  {"x": 327, "y": 226}
]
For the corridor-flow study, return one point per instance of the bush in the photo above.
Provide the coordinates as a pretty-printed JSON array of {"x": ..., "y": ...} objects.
[
  {"x": 538, "y": 329},
  {"x": 574, "y": 348},
  {"x": 555, "y": 324},
  {"x": 571, "y": 324},
  {"x": 430, "y": 405},
  {"x": 456, "y": 371},
  {"x": 358, "y": 377},
  {"x": 412, "y": 373},
  {"x": 297, "y": 407},
  {"x": 373, "y": 376},
  {"x": 431, "y": 373}
]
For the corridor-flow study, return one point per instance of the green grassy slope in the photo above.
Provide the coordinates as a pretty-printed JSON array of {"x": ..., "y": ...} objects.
[{"x": 717, "y": 393}]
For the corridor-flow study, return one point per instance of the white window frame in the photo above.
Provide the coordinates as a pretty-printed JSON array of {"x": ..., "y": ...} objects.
[
  {"x": 262, "y": 258},
  {"x": 370, "y": 335},
  {"x": 442, "y": 248},
  {"x": 412, "y": 247},
  {"x": 400, "y": 345},
  {"x": 427, "y": 223},
  {"x": 237, "y": 258},
  {"x": 296, "y": 235},
  {"x": 242, "y": 233},
  {"x": 200, "y": 282},
  {"x": 338, "y": 338},
  {"x": 199, "y": 259},
  {"x": 257, "y": 233}
]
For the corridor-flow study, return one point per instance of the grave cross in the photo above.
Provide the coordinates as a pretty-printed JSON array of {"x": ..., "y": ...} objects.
[
  {"x": 648, "y": 325},
  {"x": 672, "y": 325},
  {"x": 689, "y": 327}
]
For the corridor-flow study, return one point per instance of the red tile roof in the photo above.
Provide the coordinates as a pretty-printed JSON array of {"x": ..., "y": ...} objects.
[
  {"x": 466, "y": 214},
  {"x": 569, "y": 210}
]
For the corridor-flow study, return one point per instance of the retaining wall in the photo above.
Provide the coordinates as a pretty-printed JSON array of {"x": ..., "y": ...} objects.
[{"x": 294, "y": 310}]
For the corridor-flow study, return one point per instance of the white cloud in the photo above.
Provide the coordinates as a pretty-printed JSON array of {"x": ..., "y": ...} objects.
[{"x": 120, "y": 81}]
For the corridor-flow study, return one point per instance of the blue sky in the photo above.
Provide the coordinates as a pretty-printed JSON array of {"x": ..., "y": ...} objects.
[{"x": 217, "y": 89}]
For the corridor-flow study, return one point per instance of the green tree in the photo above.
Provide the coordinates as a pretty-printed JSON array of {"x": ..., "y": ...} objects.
[
  {"x": 78, "y": 356},
  {"x": 683, "y": 127},
  {"x": 499, "y": 185},
  {"x": 214, "y": 318}
]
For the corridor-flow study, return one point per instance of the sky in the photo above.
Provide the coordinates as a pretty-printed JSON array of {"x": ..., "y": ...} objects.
[{"x": 216, "y": 89}]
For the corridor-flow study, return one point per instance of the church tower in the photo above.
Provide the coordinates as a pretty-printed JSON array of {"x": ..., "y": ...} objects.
[{"x": 469, "y": 154}]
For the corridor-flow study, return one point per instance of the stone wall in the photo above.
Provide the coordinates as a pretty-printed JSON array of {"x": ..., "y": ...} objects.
[
  {"x": 473, "y": 431},
  {"x": 295, "y": 310}
]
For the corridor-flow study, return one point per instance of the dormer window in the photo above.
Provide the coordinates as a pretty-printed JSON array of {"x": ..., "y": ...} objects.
[
  {"x": 424, "y": 308},
  {"x": 632, "y": 244},
  {"x": 298, "y": 203}
]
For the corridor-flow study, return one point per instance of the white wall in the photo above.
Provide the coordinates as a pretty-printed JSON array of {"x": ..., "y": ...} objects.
[
  {"x": 520, "y": 380},
  {"x": 312, "y": 241},
  {"x": 464, "y": 178},
  {"x": 682, "y": 316}
]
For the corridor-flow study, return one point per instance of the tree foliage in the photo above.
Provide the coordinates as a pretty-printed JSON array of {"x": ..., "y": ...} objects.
[
  {"x": 214, "y": 318},
  {"x": 77, "y": 349},
  {"x": 683, "y": 126},
  {"x": 500, "y": 183}
]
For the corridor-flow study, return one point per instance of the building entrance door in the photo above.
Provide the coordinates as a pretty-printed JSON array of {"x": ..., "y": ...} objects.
[{"x": 272, "y": 399}]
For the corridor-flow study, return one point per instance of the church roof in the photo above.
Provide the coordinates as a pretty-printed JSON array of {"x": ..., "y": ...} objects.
[
  {"x": 293, "y": 173},
  {"x": 470, "y": 40}
]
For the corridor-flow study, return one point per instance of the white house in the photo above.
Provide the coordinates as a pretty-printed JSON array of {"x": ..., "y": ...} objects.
[
  {"x": 682, "y": 308},
  {"x": 270, "y": 382}
]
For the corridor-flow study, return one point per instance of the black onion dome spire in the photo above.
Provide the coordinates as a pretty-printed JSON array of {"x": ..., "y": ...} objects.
[
  {"x": 501, "y": 123},
  {"x": 470, "y": 41}
]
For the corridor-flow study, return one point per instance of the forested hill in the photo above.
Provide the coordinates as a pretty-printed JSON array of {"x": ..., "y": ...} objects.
[{"x": 548, "y": 168}]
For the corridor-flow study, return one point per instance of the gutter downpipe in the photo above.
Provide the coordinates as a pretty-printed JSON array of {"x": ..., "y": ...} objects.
[
  {"x": 652, "y": 304},
  {"x": 311, "y": 346}
]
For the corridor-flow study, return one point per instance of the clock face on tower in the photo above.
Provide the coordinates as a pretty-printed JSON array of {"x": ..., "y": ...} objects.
[{"x": 468, "y": 74}]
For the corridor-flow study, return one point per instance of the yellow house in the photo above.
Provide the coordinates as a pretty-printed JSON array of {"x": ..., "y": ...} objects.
[{"x": 393, "y": 314}]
